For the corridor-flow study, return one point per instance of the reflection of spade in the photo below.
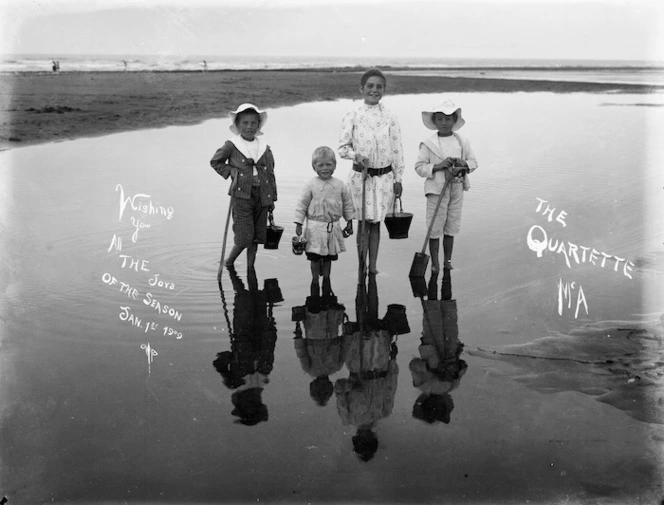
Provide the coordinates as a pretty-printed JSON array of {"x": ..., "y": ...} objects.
[
  {"x": 253, "y": 334},
  {"x": 438, "y": 370},
  {"x": 367, "y": 395},
  {"x": 620, "y": 363}
]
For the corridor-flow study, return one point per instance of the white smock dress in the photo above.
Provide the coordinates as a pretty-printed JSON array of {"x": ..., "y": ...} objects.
[{"x": 322, "y": 204}]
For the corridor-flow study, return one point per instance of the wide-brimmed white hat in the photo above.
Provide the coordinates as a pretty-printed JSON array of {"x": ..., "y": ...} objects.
[
  {"x": 448, "y": 108},
  {"x": 247, "y": 106}
]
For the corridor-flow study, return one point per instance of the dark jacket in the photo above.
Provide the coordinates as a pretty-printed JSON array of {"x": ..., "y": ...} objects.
[{"x": 228, "y": 157}]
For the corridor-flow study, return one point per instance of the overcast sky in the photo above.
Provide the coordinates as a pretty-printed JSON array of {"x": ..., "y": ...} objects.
[{"x": 557, "y": 29}]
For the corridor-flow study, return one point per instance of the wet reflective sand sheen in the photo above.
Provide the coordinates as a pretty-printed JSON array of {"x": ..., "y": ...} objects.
[{"x": 128, "y": 373}]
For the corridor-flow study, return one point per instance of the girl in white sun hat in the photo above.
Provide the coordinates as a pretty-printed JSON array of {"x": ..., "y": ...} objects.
[
  {"x": 444, "y": 156},
  {"x": 248, "y": 160}
]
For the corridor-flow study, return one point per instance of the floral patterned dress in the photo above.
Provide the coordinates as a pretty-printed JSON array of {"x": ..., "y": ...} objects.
[{"x": 373, "y": 131}]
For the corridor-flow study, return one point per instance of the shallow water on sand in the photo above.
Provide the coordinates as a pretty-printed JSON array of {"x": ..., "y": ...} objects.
[{"x": 106, "y": 395}]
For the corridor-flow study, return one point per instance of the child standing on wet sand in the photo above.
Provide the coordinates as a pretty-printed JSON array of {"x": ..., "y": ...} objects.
[
  {"x": 248, "y": 160},
  {"x": 323, "y": 202},
  {"x": 445, "y": 156}
]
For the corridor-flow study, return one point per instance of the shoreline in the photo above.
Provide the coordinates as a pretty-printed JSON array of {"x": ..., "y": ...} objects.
[
  {"x": 360, "y": 68},
  {"x": 41, "y": 107}
]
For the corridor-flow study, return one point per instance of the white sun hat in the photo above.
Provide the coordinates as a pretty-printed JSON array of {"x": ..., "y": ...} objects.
[
  {"x": 247, "y": 106},
  {"x": 448, "y": 108}
]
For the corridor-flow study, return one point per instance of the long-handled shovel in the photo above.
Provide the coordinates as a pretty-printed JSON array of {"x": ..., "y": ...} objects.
[
  {"x": 362, "y": 229},
  {"x": 223, "y": 246},
  {"x": 361, "y": 288},
  {"x": 421, "y": 259}
]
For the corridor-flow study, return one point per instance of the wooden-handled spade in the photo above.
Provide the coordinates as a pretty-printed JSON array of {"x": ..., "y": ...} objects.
[{"x": 421, "y": 259}]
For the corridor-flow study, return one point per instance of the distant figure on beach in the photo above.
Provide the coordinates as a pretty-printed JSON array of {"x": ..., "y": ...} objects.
[
  {"x": 319, "y": 350},
  {"x": 445, "y": 159},
  {"x": 205, "y": 66},
  {"x": 54, "y": 66},
  {"x": 323, "y": 202},
  {"x": 124, "y": 62},
  {"x": 248, "y": 160},
  {"x": 371, "y": 138},
  {"x": 253, "y": 335}
]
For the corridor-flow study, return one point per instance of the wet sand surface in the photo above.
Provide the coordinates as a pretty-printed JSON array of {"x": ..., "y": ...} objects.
[
  {"x": 42, "y": 107},
  {"x": 558, "y": 398}
]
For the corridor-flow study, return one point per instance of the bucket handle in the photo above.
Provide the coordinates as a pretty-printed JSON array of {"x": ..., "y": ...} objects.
[
  {"x": 394, "y": 207},
  {"x": 270, "y": 218}
]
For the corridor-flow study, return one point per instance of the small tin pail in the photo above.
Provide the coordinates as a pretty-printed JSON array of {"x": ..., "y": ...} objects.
[
  {"x": 274, "y": 233},
  {"x": 398, "y": 223},
  {"x": 299, "y": 244}
]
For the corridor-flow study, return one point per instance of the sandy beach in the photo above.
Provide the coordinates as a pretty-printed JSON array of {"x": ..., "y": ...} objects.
[
  {"x": 113, "y": 318},
  {"x": 133, "y": 369},
  {"x": 40, "y": 107}
]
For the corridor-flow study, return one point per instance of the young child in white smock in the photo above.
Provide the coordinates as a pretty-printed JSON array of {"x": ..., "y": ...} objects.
[{"x": 323, "y": 202}]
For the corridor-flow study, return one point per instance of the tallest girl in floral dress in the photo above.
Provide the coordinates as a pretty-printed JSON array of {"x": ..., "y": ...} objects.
[{"x": 371, "y": 137}]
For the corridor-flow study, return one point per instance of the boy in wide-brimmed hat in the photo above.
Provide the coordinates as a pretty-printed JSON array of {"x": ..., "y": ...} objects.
[
  {"x": 248, "y": 160},
  {"x": 445, "y": 159}
]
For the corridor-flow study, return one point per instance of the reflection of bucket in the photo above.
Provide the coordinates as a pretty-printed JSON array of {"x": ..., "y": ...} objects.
[
  {"x": 272, "y": 291},
  {"x": 395, "y": 320},
  {"x": 274, "y": 233},
  {"x": 349, "y": 327},
  {"x": 298, "y": 313},
  {"x": 398, "y": 223}
]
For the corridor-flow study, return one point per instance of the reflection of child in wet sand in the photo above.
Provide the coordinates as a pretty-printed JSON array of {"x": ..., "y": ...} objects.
[
  {"x": 439, "y": 369},
  {"x": 323, "y": 202},
  {"x": 248, "y": 160},
  {"x": 245, "y": 368},
  {"x": 445, "y": 156},
  {"x": 367, "y": 395},
  {"x": 320, "y": 351}
]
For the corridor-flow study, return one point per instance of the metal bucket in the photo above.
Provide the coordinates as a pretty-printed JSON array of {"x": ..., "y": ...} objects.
[
  {"x": 299, "y": 245},
  {"x": 274, "y": 233},
  {"x": 398, "y": 223}
]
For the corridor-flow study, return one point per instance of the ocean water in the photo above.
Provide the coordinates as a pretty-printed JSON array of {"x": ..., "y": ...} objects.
[
  {"x": 106, "y": 396},
  {"x": 639, "y": 72}
]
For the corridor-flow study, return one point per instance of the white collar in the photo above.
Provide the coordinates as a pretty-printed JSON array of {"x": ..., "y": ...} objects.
[
  {"x": 434, "y": 145},
  {"x": 241, "y": 145}
]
